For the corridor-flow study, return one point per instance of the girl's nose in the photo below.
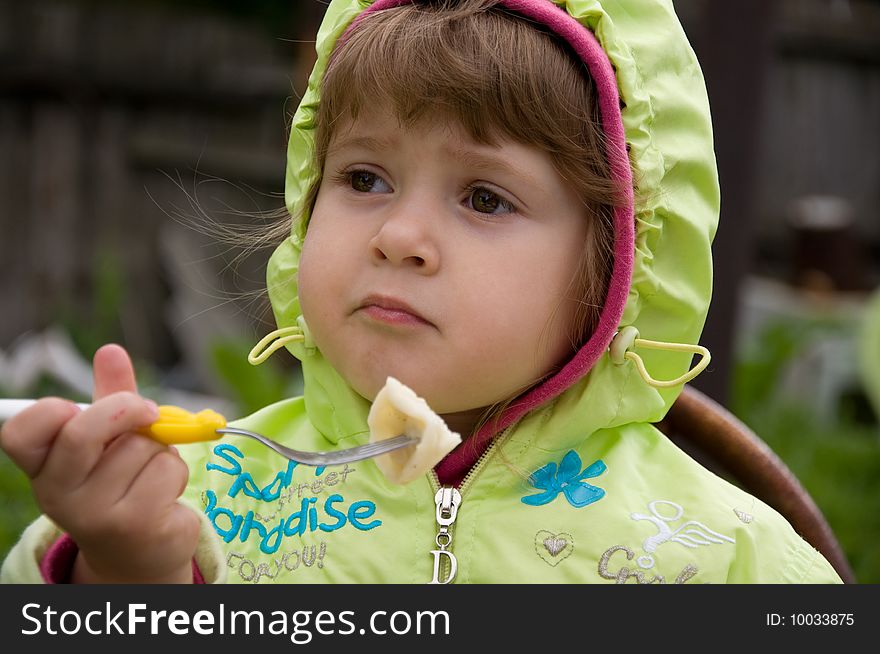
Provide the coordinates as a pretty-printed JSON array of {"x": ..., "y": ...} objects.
[{"x": 404, "y": 239}]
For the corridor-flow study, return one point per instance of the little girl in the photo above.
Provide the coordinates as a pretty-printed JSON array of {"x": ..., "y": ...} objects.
[{"x": 461, "y": 177}]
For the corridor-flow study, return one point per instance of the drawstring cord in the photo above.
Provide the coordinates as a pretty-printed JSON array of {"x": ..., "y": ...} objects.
[
  {"x": 627, "y": 339},
  {"x": 621, "y": 350},
  {"x": 277, "y": 339}
]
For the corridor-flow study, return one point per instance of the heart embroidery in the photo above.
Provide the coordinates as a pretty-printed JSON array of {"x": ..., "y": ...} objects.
[
  {"x": 553, "y": 548},
  {"x": 555, "y": 545}
]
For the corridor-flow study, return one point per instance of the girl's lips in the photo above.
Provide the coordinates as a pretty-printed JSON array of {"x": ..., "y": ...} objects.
[
  {"x": 392, "y": 311},
  {"x": 392, "y": 316}
]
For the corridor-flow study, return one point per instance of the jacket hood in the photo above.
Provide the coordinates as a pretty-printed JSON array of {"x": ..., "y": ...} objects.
[{"x": 653, "y": 102}]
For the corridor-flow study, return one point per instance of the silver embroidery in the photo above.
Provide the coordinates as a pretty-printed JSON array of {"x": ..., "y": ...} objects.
[
  {"x": 263, "y": 569},
  {"x": 553, "y": 548},
  {"x": 688, "y": 572},
  {"x": 309, "y": 556},
  {"x": 625, "y": 574},
  {"x": 286, "y": 557},
  {"x": 321, "y": 552},
  {"x": 555, "y": 545},
  {"x": 742, "y": 515},
  {"x": 252, "y": 571}
]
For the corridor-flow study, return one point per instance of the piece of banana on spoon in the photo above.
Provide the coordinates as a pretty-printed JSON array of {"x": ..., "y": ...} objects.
[{"x": 398, "y": 410}]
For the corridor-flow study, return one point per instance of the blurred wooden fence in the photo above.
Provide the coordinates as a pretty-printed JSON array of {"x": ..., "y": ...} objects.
[{"x": 98, "y": 101}]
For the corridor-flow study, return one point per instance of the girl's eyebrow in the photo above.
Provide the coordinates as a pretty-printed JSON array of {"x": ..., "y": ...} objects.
[
  {"x": 370, "y": 143},
  {"x": 489, "y": 163}
]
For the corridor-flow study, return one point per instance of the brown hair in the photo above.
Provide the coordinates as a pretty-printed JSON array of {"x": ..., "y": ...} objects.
[{"x": 498, "y": 76}]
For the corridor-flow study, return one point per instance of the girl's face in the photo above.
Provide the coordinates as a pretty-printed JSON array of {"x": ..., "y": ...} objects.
[{"x": 440, "y": 261}]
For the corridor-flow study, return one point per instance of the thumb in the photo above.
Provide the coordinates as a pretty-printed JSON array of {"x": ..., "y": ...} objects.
[{"x": 113, "y": 372}]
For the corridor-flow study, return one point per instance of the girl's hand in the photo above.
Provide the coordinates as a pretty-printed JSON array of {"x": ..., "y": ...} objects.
[{"x": 113, "y": 490}]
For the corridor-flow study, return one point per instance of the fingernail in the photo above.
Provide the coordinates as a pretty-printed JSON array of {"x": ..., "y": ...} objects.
[{"x": 154, "y": 408}]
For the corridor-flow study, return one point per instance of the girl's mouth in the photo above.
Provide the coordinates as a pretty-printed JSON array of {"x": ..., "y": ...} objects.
[{"x": 389, "y": 310}]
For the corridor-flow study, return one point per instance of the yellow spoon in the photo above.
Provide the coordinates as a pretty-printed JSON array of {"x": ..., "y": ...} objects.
[{"x": 178, "y": 426}]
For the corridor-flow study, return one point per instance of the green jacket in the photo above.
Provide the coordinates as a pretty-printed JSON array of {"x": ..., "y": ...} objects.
[{"x": 609, "y": 498}]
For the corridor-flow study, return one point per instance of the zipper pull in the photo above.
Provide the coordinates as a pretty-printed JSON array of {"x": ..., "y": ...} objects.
[{"x": 448, "y": 500}]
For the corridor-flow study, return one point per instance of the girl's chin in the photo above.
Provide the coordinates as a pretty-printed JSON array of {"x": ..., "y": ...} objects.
[
  {"x": 459, "y": 417},
  {"x": 368, "y": 389}
]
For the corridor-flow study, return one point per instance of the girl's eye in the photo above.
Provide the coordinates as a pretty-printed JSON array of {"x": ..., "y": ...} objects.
[
  {"x": 483, "y": 200},
  {"x": 363, "y": 181}
]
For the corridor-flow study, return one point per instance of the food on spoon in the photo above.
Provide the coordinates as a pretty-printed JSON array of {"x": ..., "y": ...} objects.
[
  {"x": 398, "y": 410},
  {"x": 179, "y": 426}
]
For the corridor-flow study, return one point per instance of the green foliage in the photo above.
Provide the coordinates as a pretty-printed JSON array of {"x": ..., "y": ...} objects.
[
  {"x": 869, "y": 350},
  {"x": 838, "y": 463},
  {"x": 91, "y": 326},
  {"x": 757, "y": 373},
  {"x": 840, "y": 468},
  {"x": 252, "y": 387},
  {"x": 16, "y": 504}
]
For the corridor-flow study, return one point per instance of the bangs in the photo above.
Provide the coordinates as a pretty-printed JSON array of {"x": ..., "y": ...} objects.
[{"x": 480, "y": 66}]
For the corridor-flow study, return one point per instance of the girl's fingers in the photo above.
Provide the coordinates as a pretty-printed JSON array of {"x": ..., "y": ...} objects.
[
  {"x": 113, "y": 372},
  {"x": 120, "y": 465},
  {"x": 160, "y": 482},
  {"x": 28, "y": 437},
  {"x": 82, "y": 440}
]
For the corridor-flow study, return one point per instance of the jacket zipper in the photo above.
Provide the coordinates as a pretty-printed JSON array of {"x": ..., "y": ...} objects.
[{"x": 447, "y": 500}]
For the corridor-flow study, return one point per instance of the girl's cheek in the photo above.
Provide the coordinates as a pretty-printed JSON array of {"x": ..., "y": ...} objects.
[
  {"x": 314, "y": 281},
  {"x": 304, "y": 282}
]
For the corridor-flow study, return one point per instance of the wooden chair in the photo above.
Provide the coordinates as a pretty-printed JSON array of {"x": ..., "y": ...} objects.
[{"x": 721, "y": 442}]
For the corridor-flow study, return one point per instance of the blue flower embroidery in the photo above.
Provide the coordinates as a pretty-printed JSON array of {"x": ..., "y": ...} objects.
[{"x": 568, "y": 480}]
